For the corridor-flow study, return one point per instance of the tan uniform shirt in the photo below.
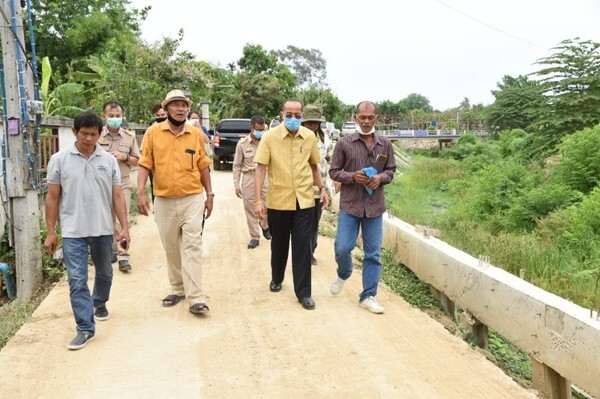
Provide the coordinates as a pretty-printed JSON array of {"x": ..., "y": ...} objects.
[
  {"x": 124, "y": 141},
  {"x": 243, "y": 161}
]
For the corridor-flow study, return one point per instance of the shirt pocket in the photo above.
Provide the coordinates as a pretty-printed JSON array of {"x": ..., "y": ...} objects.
[{"x": 124, "y": 148}]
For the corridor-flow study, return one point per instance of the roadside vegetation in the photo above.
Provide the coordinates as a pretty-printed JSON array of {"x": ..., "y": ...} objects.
[{"x": 537, "y": 215}]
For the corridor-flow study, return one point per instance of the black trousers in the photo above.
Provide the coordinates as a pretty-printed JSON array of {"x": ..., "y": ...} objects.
[
  {"x": 317, "y": 211},
  {"x": 299, "y": 225}
]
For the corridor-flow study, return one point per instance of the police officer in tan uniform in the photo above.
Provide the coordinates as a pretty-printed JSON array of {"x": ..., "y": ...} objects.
[
  {"x": 123, "y": 145},
  {"x": 243, "y": 169}
]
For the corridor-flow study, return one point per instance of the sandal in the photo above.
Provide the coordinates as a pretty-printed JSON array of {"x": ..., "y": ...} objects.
[
  {"x": 199, "y": 308},
  {"x": 172, "y": 300}
]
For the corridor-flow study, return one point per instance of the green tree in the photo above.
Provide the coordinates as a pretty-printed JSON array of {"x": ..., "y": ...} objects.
[
  {"x": 69, "y": 31},
  {"x": 333, "y": 109},
  {"x": 416, "y": 101},
  {"x": 308, "y": 65},
  {"x": 570, "y": 80},
  {"x": 517, "y": 104},
  {"x": 261, "y": 85}
]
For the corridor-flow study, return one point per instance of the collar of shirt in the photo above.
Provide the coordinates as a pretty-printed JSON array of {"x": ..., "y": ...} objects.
[
  {"x": 302, "y": 132},
  {"x": 97, "y": 149},
  {"x": 167, "y": 126},
  {"x": 106, "y": 132},
  {"x": 376, "y": 138}
]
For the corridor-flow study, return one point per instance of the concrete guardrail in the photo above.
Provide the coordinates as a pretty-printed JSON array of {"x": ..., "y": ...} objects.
[{"x": 561, "y": 335}]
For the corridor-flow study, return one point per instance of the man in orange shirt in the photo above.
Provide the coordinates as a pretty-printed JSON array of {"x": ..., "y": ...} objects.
[{"x": 174, "y": 152}]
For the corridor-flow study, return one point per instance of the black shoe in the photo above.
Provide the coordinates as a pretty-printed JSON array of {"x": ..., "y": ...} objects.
[
  {"x": 113, "y": 259},
  {"x": 124, "y": 265},
  {"x": 80, "y": 340},
  {"x": 253, "y": 244},
  {"x": 313, "y": 261},
  {"x": 275, "y": 287},
  {"x": 307, "y": 303},
  {"x": 101, "y": 313},
  {"x": 267, "y": 234}
]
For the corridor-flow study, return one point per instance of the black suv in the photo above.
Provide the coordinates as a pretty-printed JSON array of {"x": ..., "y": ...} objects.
[{"x": 227, "y": 134}]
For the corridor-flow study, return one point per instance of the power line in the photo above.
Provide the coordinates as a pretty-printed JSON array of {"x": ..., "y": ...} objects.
[{"x": 490, "y": 26}]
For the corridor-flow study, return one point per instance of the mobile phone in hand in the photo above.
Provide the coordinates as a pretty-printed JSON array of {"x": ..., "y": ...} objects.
[{"x": 123, "y": 243}]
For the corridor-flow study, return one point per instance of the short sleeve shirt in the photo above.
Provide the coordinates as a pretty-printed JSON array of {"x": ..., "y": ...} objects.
[
  {"x": 124, "y": 141},
  {"x": 86, "y": 186},
  {"x": 288, "y": 161},
  {"x": 175, "y": 160}
]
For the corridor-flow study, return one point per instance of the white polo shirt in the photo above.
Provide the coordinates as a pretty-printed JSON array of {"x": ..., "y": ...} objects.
[{"x": 85, "y": 191}]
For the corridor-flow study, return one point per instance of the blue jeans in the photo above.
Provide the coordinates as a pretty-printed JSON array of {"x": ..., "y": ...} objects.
[
  {"x": 75, "y": 255},
  {"x": 345, "y": 241}
]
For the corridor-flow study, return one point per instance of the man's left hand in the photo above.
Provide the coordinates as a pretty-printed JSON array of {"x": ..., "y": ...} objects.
[
  {"x": 374, "y": 182},
  {"x": 324, "y": 199},
  {"x": 208, "y": 206}
]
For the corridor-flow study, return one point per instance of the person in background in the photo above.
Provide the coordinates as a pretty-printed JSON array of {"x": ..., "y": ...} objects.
[
  {"x": 160, "y": 115},
  {"x": 84, "y": 188},
  {"x": 290, "y": 154},
  {"x": 243, "y": 179},
  {"x": 363, "y": 163},
  {"x": 311, "y": 119},
  {"x": 122, "y": 144},
  {"x": 174, "y": 151},
  {"x": 195, "y": 118}
]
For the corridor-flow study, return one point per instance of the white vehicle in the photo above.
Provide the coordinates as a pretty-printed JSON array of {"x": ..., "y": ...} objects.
[
  {"x": 348, "y": 128},
  {"x": 329, "y": 129}
]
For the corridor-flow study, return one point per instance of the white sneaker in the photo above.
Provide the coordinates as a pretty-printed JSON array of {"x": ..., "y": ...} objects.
[
  {"x": 372, "y": 305},
  {"x": 337, "y": 286}
]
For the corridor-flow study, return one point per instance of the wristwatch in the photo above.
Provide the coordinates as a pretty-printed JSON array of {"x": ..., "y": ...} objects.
[{"x": 210, "y": 194}]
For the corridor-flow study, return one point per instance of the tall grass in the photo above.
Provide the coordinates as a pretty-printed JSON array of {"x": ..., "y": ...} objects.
[
  {"x": 421, "y": 192},
  {"x": 421, "y": 195}
]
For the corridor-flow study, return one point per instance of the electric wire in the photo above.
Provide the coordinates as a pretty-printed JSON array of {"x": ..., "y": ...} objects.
[{"x": 490, "y": 26}]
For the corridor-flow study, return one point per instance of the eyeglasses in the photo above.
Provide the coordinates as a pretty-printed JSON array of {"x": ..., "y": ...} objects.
[{"x": 290, "y": 116}]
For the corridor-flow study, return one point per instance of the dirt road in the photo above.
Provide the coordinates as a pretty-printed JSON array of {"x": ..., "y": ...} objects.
[{"x": 252, "y": 344}]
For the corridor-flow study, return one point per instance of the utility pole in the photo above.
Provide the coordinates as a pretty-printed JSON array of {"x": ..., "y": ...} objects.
[{"x": 20, "y": 150}]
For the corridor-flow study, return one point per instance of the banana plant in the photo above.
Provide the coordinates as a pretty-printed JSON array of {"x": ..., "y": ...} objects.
[{"x": 54, "y": 101}]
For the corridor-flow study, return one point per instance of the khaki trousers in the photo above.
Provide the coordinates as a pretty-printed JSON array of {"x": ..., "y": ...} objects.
[
  {"x": 249, "y": 203},
  {"x": 179, "y": 222}
]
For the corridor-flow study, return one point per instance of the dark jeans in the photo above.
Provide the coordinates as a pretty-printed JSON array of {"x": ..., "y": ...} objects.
[
  {"x": 317, "y": 211},
  {"x": 299, "y": 225},
  {"x": 75, "y": 256}
]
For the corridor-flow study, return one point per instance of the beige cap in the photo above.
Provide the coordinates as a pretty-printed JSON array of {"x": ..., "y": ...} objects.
[{"x": 175, "y": 95}]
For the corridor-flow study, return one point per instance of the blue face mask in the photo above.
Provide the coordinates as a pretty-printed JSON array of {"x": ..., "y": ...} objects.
[
  {"x": 114, "y": 123},
  {"x": 258, "y": 134},
  {"x": 292, "y": 124}
]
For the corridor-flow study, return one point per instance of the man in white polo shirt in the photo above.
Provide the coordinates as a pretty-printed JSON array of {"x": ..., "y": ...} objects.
[{"x": 84, "y": 183}]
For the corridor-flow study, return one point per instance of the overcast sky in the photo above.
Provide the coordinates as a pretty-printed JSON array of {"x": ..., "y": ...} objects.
[{"x": 384, "y": 50}]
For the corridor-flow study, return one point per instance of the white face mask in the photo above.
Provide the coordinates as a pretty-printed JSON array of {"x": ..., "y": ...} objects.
[
  {"x": 359, "y": 130},
  {"x": 195, "y": 122}
]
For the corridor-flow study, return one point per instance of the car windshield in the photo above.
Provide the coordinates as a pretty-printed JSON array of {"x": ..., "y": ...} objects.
[{"x": 235, "y": 126}]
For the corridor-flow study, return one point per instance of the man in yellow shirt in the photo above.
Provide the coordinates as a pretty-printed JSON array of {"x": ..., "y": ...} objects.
[
  {"x": 174, "y": 152},
  {"x": 291, "y": 154}
]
